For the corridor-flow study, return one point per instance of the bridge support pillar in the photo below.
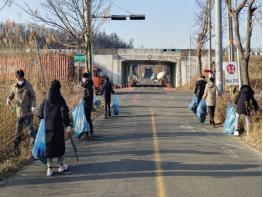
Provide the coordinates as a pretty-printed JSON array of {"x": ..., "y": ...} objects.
[{"x": 178, "y": 74}]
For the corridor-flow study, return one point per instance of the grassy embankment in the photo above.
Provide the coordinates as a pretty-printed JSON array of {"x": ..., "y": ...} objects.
[{"x": 8, "y": 163}]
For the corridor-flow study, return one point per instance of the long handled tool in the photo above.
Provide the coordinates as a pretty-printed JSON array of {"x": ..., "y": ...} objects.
[{"x": 74, "y": 147}]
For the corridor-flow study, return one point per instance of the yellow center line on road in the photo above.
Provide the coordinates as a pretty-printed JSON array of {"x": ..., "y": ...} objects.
[{"x": 160, "y": 184}]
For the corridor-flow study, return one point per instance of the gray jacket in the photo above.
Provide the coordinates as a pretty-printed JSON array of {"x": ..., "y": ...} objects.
[{"x": 23, "y": 98}]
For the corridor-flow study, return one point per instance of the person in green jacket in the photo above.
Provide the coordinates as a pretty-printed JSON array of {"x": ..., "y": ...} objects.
[{"x": 22, "y": 98}]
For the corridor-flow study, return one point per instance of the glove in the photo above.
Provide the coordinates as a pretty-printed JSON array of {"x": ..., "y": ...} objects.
[
  {"x": 68, "y": 130},
  {"x": 34, "y": 110},
  {"x": 8, "y": 101}
]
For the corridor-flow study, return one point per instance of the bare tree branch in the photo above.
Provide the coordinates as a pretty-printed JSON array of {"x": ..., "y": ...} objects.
[
  {"x": 244, "y": 54},
  {"x": 68, "y": 16},
  {"x": 202, "y": 21},
  {"x": 4, "y": 4}
]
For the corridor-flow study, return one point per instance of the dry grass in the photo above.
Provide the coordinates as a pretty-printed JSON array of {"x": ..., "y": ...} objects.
[
  {"x": 9, "y": 163},
  {"x": 255, "y": 74},
  {"x": 221, "y": 107},
  {"x": 254, "y": 137}
]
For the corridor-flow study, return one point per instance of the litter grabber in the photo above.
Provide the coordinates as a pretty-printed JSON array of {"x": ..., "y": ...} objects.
[{"x": 74, "y": 147}]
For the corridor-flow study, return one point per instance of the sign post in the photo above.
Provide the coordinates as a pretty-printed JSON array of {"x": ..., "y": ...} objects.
[
  {"x": 231, "y": 73},
  {"x": 81, "y": 58},
  {"x": 78, "y": 59}
]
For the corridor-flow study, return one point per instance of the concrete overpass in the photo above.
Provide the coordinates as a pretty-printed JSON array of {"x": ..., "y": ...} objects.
[{"x": 116, "y": 63}]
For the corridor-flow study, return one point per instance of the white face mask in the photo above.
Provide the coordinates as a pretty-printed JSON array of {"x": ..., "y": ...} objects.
[
  {"x": 83, "y": 80},
  {"x": 20, "y": 82}
]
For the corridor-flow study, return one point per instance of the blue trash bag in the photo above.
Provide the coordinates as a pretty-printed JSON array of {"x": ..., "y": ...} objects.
[
  {"x": 229, "y": 124},
  {"x": 38, "y": 150},
  {"x": 96, "y": 102},
  {"x": 115, "y": 105},
  {"x": 80, "y": 122},
  {"x": 201, "y": 111},
  {"x": 194, "y": 103}
]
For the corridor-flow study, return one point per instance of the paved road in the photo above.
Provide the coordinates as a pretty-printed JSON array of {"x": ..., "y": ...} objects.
[{"x": 155, "y": 147}]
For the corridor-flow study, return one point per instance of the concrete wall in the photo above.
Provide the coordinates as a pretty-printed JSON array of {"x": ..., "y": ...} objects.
[
  {"x": 114, "y": 67},
  {"x": 111, "y": 65},
  {"x": 194, "y": 70}
]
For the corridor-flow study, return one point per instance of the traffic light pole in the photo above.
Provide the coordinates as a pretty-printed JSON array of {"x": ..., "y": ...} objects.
[{"x": 88, "y": 35}]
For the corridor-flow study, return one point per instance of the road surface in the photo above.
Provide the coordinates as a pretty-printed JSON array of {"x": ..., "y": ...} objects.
[{"x": 154, "y": 147}]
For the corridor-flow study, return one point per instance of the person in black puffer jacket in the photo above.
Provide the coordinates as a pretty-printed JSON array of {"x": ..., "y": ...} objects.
[
  {"x": 88, "y": 95},
  {"x": 200, "y": 88},
  {"x": 243, "y": 102},
  {"x": 55, "y": 112}
]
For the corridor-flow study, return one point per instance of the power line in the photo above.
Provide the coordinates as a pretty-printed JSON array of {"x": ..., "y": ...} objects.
[
  {"x": 180, "y": 42},
  {"x": 114, "y": 4}
]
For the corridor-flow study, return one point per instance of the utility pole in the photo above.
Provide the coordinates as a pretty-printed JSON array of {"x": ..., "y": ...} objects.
[
  {"x": 238, "y": 60},
  {"x": 230, "y": 36},
  {"x": 189, "y": 66},
  {"x": 88, "y": 34},
  {"x": 209, "y": 36},
  {"x": 218, "y": 46}
]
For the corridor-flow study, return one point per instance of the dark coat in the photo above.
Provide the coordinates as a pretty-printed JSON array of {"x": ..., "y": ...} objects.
[
  {"x": 88, "y": 92},
  {"x": 243, "y": 101},
  {"x": 107, "y": 90},
  {"x": 200, "y": 87},
  {"x": 56, "y": 114}
]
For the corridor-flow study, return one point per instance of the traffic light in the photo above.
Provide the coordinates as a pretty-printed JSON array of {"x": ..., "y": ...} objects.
[
  {"x": 137, "y": 17},
  {"x": 118, "y": 17}
]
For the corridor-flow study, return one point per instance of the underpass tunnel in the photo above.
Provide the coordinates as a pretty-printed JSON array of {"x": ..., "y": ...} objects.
[{"x": 143, "y": 72}]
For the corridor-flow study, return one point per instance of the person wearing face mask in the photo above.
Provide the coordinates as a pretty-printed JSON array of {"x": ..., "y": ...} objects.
[
  {"x": 87, "y": 85},
  {"x": 23, "y": 99}
]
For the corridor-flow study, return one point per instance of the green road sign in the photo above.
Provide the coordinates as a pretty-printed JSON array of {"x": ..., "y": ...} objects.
[{"x": 80, "y": 58}]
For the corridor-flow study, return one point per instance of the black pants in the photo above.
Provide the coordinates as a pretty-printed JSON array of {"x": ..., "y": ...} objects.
[
  {"x": 88, "y": 109},
  {"x": 211, "y": 113},
  {"x": 107, "y": 111},
  {"x": 21, "y": 123},
  {"x": 199, "y": 99}
]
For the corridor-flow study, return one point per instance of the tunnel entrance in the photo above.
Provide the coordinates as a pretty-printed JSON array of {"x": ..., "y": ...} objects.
[{"x": 148, "y": 73}]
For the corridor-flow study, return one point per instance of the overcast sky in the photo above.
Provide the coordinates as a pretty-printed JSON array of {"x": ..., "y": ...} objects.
[{"x": 168, "y": 23}]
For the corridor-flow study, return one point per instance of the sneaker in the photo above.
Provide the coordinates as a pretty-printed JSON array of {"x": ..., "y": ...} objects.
[
  {"x": 213, "y": 124},
  {"x": 49, "y": 171},
  {"x": 63, "y": 168},
  {"x": 236, "y": 133},
  {"x": 89, "y": 137}
]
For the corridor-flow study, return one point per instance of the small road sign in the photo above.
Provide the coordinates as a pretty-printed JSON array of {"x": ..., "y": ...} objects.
[
  {"x": 231, "y": 73},
  {"x": 80, "y": 58}
]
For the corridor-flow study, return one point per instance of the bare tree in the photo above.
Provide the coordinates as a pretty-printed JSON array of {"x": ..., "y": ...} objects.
[
  {"x": 202, "y": 21},
  {"x": 244, "y": 51},
  {"x": 73, "y": 17},
  {"x": 4, "y": 3}
]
